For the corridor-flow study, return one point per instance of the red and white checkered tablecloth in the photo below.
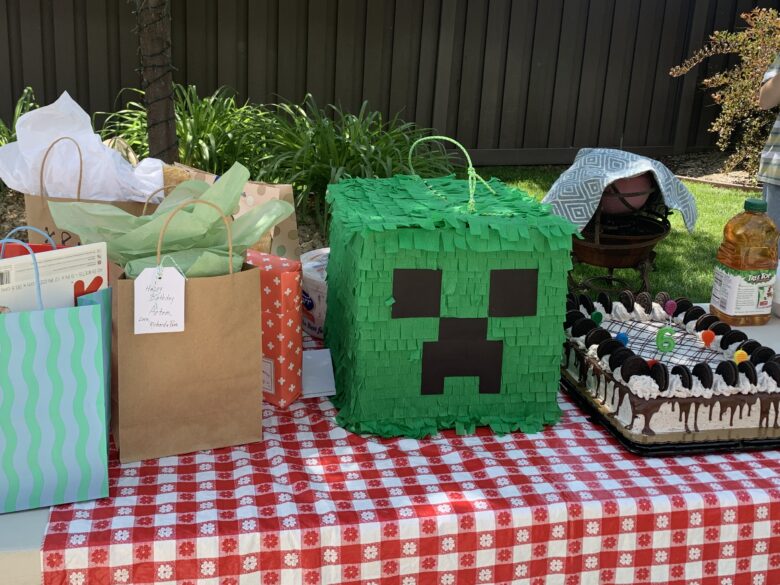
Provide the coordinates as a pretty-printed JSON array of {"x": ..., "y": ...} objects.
[{"x": 314, "y": 504}]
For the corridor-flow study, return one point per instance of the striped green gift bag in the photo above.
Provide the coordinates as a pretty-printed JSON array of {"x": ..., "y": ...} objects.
[{"x": 53, "y": 392}]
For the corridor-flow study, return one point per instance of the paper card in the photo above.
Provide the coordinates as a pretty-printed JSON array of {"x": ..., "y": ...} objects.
[
  {"x": 159, "y": 301},
  {"x": 318, "y": 374}
]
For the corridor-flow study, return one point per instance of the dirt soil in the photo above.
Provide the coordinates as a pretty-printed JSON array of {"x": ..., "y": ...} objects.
[
  {"x": 309, "y": 237},
  {"x": 706, "y": 166},
  {"x": 11, "y": 213}
]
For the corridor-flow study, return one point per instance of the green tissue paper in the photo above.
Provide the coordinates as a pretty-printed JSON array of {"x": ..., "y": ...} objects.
[{"x": 195, "y": 241}]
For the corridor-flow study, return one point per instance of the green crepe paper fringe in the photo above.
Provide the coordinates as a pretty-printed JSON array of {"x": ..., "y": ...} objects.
[
  {"x": 420, "y": 428},
  {"x": 406, "y": 222},
  {"x": 377, "y": 205}
]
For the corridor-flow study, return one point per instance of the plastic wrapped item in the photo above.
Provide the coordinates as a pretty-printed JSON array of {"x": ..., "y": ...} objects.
[
  {"x": 107, "y": 175},
  {"x": 315, "y": 291}
]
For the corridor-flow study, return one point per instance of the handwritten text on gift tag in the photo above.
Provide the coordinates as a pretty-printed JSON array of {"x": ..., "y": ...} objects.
[{"x": 159, "y": 301}]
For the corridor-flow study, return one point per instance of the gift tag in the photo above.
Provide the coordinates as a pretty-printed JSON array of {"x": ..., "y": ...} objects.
[{"x": 159, "y": 301}]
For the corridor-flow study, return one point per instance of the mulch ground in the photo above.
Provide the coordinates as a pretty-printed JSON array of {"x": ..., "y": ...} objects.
[
  {"x": 707, "y": 166},
  {"x": 11, "y": 213}
]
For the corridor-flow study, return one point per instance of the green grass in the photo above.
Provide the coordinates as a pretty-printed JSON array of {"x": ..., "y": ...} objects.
[{"x": 685, "y": 260}]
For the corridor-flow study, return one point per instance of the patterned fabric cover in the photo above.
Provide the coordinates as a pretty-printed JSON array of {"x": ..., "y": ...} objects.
[
  {"x": 314, "y": 504},
  {"x": 577, "y": 192}
]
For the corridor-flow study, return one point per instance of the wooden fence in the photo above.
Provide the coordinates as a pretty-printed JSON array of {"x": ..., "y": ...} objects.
[{"x": 517, "y": 81}]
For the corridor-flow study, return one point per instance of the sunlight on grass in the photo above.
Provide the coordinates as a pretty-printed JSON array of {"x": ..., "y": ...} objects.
[{"x": 685, "y": 261}]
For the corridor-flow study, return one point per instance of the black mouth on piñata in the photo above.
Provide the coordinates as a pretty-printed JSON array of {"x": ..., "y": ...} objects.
[{"x": 463, "y": 348}]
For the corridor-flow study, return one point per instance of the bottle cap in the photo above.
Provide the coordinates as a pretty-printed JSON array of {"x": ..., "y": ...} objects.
[{"x": 755, "y": 205}]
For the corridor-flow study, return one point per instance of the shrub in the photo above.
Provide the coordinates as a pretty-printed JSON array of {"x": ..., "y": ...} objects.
[
  {"x": 740, "y": 124},
  {"x": 301, "y": 144},
  {"x": 24, "y": 104},
  {"x": 213, "y": 132},
  {"x": 312, "y": 147}
]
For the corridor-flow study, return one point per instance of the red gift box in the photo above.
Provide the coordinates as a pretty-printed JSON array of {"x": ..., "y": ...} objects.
[
  {"x": 14, "y": 250},
  {"x": 280, "y": 284}
]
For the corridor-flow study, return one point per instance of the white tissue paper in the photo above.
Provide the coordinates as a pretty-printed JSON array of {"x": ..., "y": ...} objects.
[{"x": 107, "y": 176}]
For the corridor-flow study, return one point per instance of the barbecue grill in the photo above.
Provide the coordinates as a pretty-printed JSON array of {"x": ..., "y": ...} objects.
[{"x": 623, "y": 232}]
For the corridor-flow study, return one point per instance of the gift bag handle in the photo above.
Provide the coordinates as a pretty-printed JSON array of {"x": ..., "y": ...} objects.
[
  {"x": 36, "y": 273},
  {"x": 184, "y": 206},
  {"x": 46, "y": 157},
  {"x": 471, "y": 172},
  {"x": 153, "y": 193},
  {"x": 27, "y": 228}
]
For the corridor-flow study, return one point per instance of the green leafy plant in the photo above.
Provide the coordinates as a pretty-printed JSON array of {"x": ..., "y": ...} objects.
[
  {"x": 313, "y": 147},
  {"x": 24, "y": 104},
  {"x": 741, "y": 125},
  {"x": 213, "y": 132},
  {"x": 302, "y": 144}
]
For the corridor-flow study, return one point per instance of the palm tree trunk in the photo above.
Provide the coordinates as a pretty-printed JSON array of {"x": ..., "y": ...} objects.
[{"x": 154, "y": 49}]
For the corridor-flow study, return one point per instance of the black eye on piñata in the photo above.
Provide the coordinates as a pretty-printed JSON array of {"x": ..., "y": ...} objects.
[
  {"x": 513, "y": 292},
  {"x": 417, "y": 293}
]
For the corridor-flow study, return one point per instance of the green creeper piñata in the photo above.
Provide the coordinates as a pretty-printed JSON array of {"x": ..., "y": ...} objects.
[{"x": 442, "y": 315}]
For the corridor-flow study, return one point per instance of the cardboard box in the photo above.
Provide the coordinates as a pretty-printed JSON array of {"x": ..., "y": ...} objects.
[{"x": 280, "y": 284}]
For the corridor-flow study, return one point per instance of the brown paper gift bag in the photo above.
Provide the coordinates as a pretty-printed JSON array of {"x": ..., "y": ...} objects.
[
  {"x": 198, "y": 389},
  {"x": 39, "y": 216},
  {"x": 283, "y": 239}
]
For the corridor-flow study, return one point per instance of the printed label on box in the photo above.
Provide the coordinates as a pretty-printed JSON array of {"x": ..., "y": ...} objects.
[{"x": 268, "y": 374}]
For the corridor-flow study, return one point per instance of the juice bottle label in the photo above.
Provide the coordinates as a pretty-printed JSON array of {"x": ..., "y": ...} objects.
[{"x": 743, "y": 292}]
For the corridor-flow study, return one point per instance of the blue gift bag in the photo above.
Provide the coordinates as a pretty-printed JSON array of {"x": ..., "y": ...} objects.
[{"x": 54, "y": 389}]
